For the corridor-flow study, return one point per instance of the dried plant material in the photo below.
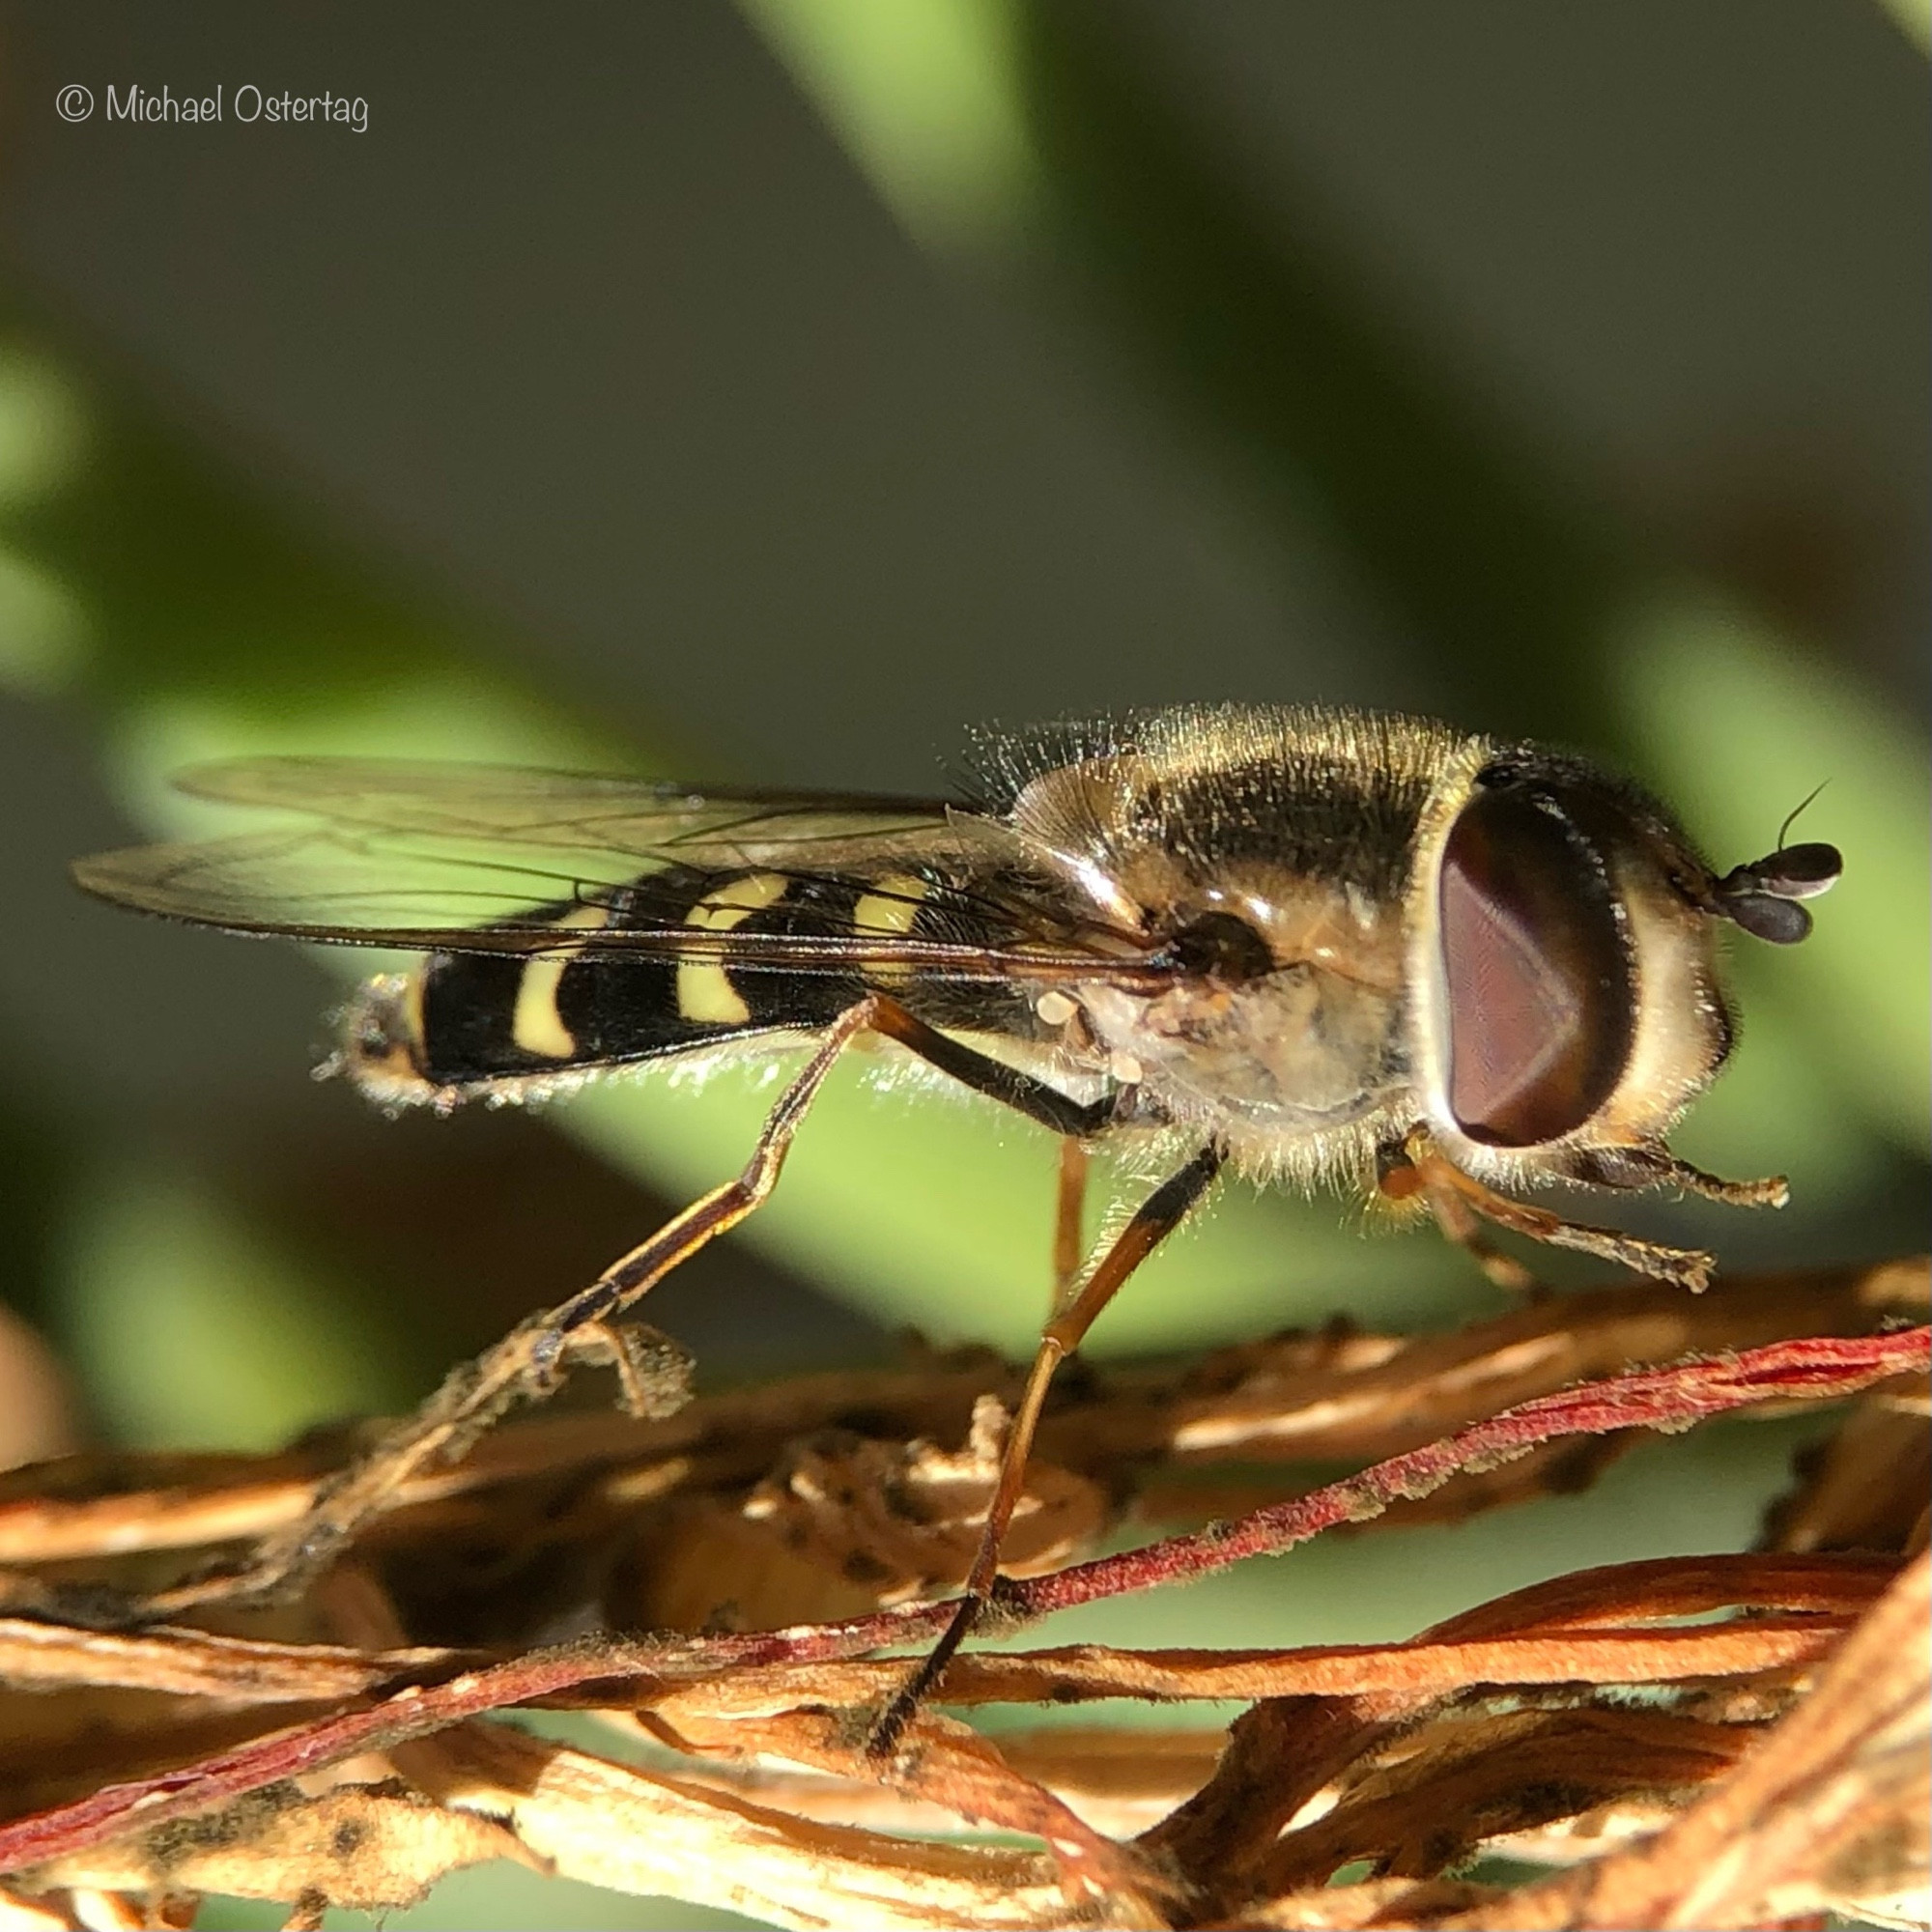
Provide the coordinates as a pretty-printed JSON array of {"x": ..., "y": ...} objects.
[
  {"x": 1117, "y": 1781},
  {"x": 192, "y": 1663},
  {"x": 1419, "y": 1670},
  {"x": 1549, "y": 1470},
  {"x": 1398, "y": 1903},
  {"x": 617, "y": 1826},
  {"x": 1581, "y": 1721},
  {"x": 1676, "y": 1398},
  {"x": 371, "y": 1849},
  {"x": 87, "y": 1909},
  {"x": 847, "y": 1523},
  {"x": 1323, "y": 1402},
  {"x": 19, "y": 1914},
  {"x": 1832, "y": 1807},
  {"x": 943, "y": 1764},
  {"x": 1299, "y": 1751},
  {"x": 60, "y": 1749},
  {"x": 1460, "y": 1784}
]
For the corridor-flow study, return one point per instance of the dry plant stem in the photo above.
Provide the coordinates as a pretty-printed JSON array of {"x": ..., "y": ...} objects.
[
  {"x": 1817, "y": 1370},
  {"x": 1280, "y": 1754},
  {"x": 1324, "y": 1711},
  {"x": 974, "y": 1780},
  {"x": 1416, "y": 1672},
  {"x": 606, "y": 1824},
  {"x": 1594, "y": 1618},
  {"x": 1669, "y": 1399},
  {"x": 1120, "y": 1781},
  {"x": 1543, "y": 1649},
  {"x": 570, "y": 1808},
  {"x": 1865, "y": 1488},
  {"x": 193, "y": 1663},
  {"x": 1539, "y": 1635},
  {"x": 1375, "y": 1905},
  {"x": 632, "y": 1830},
  {"x": 1367, "y": 1397},
  {"x": 1497, "y": 1775},
  {"x": 965, "y": 1774},
  {"x": 365, "y": 1848}
]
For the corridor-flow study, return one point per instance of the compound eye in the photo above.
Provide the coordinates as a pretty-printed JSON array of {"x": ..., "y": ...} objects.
[{"x": 1540, "y": 1011}]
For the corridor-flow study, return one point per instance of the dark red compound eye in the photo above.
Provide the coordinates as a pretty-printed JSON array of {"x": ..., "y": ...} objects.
[{"x": 1541, "y": 1009}]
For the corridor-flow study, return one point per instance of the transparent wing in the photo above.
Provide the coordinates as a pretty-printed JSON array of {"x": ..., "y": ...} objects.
[
  {"x": 559, "y": 812},
  {"x": 480, "y": 858}
]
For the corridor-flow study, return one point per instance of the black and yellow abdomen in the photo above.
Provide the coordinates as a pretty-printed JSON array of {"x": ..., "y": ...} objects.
[{"x": 465, "y": 1023}]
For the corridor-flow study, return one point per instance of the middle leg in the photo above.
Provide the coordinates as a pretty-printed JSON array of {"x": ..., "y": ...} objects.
[{"x": 1070, "y": 1206}]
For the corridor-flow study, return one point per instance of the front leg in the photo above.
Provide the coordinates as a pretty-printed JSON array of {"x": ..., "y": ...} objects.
[{"x": 1460, "y": 1203}]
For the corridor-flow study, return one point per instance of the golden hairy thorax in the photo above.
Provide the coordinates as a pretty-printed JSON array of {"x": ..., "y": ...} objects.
[{"x": 1301, "y": 827}]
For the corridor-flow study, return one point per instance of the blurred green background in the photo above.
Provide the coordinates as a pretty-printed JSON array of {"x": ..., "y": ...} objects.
[{"x": 766, "y": 394}]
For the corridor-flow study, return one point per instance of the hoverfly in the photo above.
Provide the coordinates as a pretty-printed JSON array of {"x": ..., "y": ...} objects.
[{"x": 1310, "y": 946}]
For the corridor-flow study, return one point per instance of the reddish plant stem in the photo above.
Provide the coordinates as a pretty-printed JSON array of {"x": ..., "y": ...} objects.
[{"x": 1668, "y": 1399}]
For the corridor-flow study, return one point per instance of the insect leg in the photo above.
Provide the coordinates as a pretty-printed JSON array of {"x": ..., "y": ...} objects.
[
  {"x": 1401, "y": 1179},
  {"x": 1069, "y": 1202},
  {"x": 1656, "y": 1166},
  {"x": 1072, "y": 1120},
  {"x": 705, "y": 1219},
  {"x": 1441, "y": 1180},
  {"x": 524, "y": 1363},
  {"x": 994, "y": 1078},
  {"x": 1156, "y": 1217},
  {"x": 1460, "y": 1225}
]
